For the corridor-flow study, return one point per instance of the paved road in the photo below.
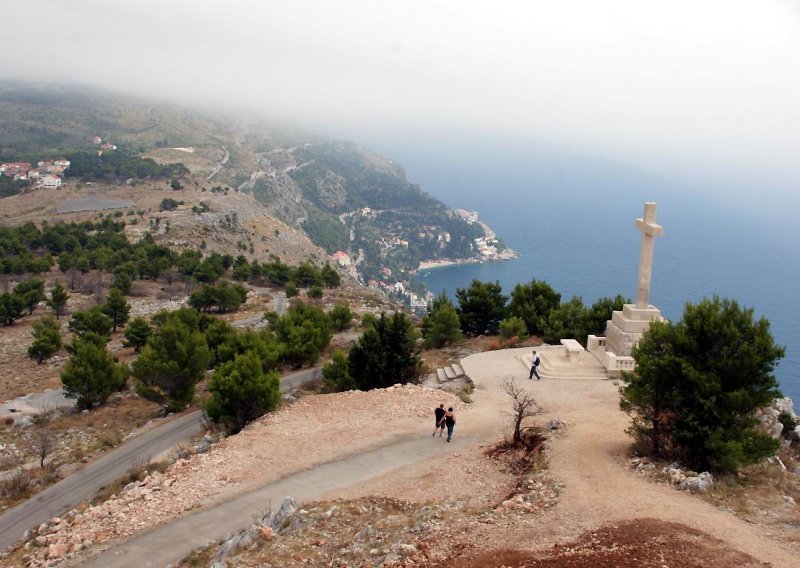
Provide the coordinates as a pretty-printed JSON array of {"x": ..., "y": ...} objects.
[
  {"x": 85, "y": 482},
  {"x": 171, "y": 542}
]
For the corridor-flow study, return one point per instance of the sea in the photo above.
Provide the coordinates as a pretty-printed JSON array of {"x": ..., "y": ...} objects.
[{"x": 571, "y": 219}]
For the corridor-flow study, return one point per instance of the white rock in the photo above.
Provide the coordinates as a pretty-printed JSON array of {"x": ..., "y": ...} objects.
[{"x": 700, "y": 484}]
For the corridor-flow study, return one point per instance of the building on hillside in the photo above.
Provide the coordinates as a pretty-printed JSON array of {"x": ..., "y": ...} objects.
[
  {"x": 50, "y": 181},
  {"x": 108, "y": 146},
  {"x": 16, "y": 170},
  {"x": 97, "y": 140},
  {"x": 418, "y": 305},
  {"x": 469, "y": 216},
  {"x": 63, "y": 162},
  {"x": 342, "y": 258}
]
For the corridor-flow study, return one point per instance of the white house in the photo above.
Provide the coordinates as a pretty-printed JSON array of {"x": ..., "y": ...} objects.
[{"x": 50, "y": 182}]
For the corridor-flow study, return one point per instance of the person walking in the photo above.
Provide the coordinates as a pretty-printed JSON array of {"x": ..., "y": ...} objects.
[
  {"x": 534, "y": 363},
  {"x": 450, "y": 422},
  {"x": 439, "y": 414}
]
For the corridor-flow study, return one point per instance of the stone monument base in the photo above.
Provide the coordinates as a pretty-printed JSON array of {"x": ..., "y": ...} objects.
[
  {"x": 623, "y": 332},
  {"x": 626, "y": 328}
]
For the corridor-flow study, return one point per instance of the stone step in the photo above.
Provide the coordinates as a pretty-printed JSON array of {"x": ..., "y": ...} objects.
[
  {"x": 458, "y": 369},
  {"x": 554, "y": 365},
  {"x": 441, "y": 376},
  {"x": 450, "y": 373}
]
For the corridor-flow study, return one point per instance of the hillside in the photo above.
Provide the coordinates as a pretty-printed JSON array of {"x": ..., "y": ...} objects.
[{"x": 347, "y": 199}]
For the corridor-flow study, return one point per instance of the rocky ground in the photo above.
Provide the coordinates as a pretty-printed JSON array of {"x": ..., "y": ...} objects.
[
  {"x": 324, "y": 426},
  {"x": 580, "y": 503}
]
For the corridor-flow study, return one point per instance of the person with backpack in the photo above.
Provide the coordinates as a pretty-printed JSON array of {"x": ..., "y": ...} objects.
[{"x": 534, "y": 363}]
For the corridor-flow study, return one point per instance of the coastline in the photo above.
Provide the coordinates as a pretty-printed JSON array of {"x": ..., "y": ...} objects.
[{"x": 507, "y": 254}]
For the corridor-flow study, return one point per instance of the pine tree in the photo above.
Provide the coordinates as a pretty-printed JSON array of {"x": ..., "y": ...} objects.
[
  {"x": 441, "y": 324},
  {"x": 92, "y": 320},
  {"x": 170, "y": 365},
  {"x": 116, "y": 308},
  {"x": 58, "y": 299},
  {"x": 91, "y": 374},
  {"x": 12, "y": 307},
  {"x": 481, "y": 307},
  {"x": 136, "y": 334},
  {"x": 533, "y": 303},
  {"x": 242, "y": 391},
  {"x": 336, "y": 377},
  {"x": 31, "y": 291},
  {"x": 385, "y": 354},
  {"x": 697, "y": 384},
  {"x": 46, "y": 339}
]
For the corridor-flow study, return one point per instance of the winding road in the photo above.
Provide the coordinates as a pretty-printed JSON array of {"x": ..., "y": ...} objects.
[
  {"x": 87, "y": 481},
  {"x": 222, "y": 163}
]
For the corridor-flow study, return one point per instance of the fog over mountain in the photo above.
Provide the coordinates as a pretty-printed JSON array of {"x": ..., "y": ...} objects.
[{"x": 700, "y": 91}]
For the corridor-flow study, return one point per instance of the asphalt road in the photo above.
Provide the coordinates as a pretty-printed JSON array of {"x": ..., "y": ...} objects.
[
  {"x": 85, "y": 482},
  {"x": 168, "y": 543}
]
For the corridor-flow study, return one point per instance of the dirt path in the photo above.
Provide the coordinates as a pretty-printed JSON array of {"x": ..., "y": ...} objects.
[{"x": 589, "y": 460}]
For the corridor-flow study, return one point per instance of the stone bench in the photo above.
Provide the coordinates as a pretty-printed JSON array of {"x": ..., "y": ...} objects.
[{"x": 573, "y": 349}]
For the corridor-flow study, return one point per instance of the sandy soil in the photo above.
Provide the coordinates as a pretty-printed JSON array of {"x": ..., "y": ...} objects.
[{"x": 589, "y": 459}]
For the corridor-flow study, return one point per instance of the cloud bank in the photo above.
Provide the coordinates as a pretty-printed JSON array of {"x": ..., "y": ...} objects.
[{"x": 707, "y": 89}]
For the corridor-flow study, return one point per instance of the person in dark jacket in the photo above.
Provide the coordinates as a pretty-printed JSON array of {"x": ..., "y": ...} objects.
[
  {"x": 449, "y": 422},
  {"x": 439, "y": 414}
]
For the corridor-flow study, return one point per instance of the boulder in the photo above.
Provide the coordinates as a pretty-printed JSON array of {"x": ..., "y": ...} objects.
[
  {"x": 23, "y": 421},
  {"x": 202, "y": 447},
  {"x": 57, "y": 550},
  {"x": 784, "y": 404},
  {"x": 275, "y": 520},
  {"x": 700, "y": 484}
]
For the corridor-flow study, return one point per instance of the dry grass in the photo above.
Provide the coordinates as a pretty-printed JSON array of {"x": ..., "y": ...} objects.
[
  {"x": 78, "y": 438},
  {"x": 758, "y": 493}
]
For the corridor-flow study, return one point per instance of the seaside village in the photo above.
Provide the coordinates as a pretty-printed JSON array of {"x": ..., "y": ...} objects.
[
  {"x": 46, "y": 174},
  {"x": 486, "y": 248}
]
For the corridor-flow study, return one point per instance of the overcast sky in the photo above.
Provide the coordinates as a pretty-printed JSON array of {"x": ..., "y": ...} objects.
[{"x": 697, "y": 88}]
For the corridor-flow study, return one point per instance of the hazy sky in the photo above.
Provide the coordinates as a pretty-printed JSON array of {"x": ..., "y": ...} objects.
[{"x": 695, "y": 88}]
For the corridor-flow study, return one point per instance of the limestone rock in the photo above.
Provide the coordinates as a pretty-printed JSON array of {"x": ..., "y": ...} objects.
[
  {"x": 700, "y": 484},
  {"x": 275, "y": 520},
  {"x": 23, "y": 421},
  {"x": 784, "y": 404}
]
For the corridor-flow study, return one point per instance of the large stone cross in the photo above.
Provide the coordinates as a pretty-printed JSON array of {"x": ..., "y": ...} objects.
[{"x": 650, "y": 230}]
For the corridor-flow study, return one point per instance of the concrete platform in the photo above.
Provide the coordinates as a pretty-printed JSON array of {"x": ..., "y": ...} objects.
[{"x": 558, "y": 363}]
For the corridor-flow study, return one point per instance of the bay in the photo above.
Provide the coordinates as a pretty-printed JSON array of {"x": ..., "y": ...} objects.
[{"x": 573, "y": 226}]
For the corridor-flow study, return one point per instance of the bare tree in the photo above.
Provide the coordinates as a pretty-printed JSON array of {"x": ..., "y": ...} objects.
[
  {"x": 44, "y": 443},
  {"x": 524, "y": 406}
]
